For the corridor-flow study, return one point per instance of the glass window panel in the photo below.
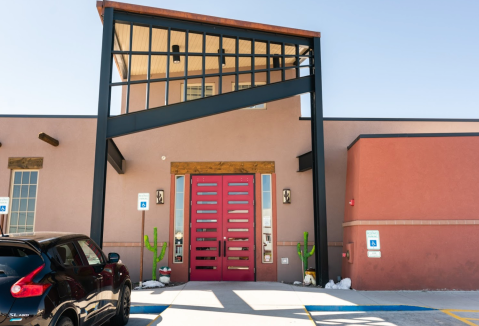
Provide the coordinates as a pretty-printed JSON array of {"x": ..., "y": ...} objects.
[
  {"x": 174, "y": 91},
  {"x": 267, "y": 248},
  {"x": 237, "y": 193},
  {"x": 230, "y": 65},
  {"x": 238, "y": 220},
  {"x": 18, "y": 178},
  {"x": 260, "y": 47},
  {"x": 31, "y": 205},
  {"x": 24, "y": 191},
  {"x": 212, "y": 65},
  {"x": 304, "y": 61},
  {"x": 13, "y": 229},
  {"x": 205, "y": 267},
  {"x": 207, "y": 184},
  {"x": 139, "y": 67},
  {"x": 195, "y": 65},
  {"x": 118, "y": 100},
  {"x": 244, "y": 63},
  {"x": 158, "y": 66},
  {"x": 22, "y": 218},
  {"x": 266, "y": 182},
  {"x": 16, "y": 191},
  {"x": 179, "y": 200},
  {"x": 30, "y": 218},
  {"x": 141, "y": 38},
  {"x": 206, "y": 230},
  {"x": 290, "y": 61},
  {"x": 23, "y": 205},
  {"x": 157, "y": 94},
  {"x": 20, "y": 229},
  {"x": 237, "y": 230},
  {"x": 260, "y": 80},
  {"x": 179, "y": 218},
  {"x": 237, "y": 239},
  {"x": 237, "y": 202},
  {"x": 237, "y": 183},
  {"x": 92, "y": 253},
  {"x": 304, "y": 50},
  {"x": 206, "y": 248},
  {"x": 211, "y": 211},
  {"x": 275, "y": 62},
  {"x": 195, "y": 42},
  {"x": 238, "y": 267},
  {"x": 15, "y": 204},
  {"x": 275, "y": 76},
  {"x": 237, "y": 211},
  {"x": 14, "y": 218},
  {"x": 205, "y": 239},
  {"x": 29, "y": 229},
  {"x": 238, "y": 248},
  {"x": 229, "y": 44},
  {"x": 178, "y": 38},
  {"x": 207, "y": 202},
  {"x": 122, "y": 37},
  {"x": 239, "y": 258},
  {"x": 33, "y": 177},
  {"x": 266, "y": 202},
  {"x": 32, "y": 191},
  {"x": 180, "y": 183},
  {"x": 26, "y": 177},
  {"x": 206, "y": 221},
  {"x": 159, "y": 40},
  {"x": 212, "y": 43},
  {"x": 207, "y": 193},
  {"x": 244, "y": 46}
]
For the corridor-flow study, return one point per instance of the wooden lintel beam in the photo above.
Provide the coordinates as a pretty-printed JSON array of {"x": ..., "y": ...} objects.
[{"x": 48, "y": 139}]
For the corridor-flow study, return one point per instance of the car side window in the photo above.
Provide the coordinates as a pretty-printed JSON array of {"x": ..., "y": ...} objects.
[
  {"x": 92, "y": 253},
  {"x": 68, "y": 255}
]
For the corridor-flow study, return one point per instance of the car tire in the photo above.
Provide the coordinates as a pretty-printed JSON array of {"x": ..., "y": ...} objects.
[
  {"x": 65, "y": 321},
  {"x": 123, "y": 314}
]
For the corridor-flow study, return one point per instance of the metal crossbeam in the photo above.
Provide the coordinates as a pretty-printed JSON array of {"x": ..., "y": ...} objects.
[
  {"x": 115, "y": 158},
  {"x": 154, "y": 118}
]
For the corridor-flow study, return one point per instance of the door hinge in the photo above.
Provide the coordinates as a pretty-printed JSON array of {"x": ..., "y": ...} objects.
[
  {"x": 254, "y": 270},
  {"x": 190, "y": 225},
  {"x": 190, "y": 270},
  {"x": 191, "y": 203},
  {"x": 254, "y": 247},
  {"x": 253, "y": 202},
  {"x": 190, "y": 247},
  {"x": 191, "y": 181}
]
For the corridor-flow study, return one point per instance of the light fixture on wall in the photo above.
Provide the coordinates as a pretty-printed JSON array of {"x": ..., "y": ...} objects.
[
  {"x": 286, "y": 196},
  {"x": 275, "y": 62},
  {"x": 160, "y": 197},
  {"x": 223, "y": 59},
  {"x": 176, "y": 57}
]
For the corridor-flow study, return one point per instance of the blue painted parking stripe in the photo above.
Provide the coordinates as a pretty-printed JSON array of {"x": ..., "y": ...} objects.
[
  {"x": 147, "y": 309},
  {"x": 369, "y": 308}
]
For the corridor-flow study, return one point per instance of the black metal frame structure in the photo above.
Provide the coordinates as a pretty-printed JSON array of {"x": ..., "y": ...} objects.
[{"x": 290, "y": 84}]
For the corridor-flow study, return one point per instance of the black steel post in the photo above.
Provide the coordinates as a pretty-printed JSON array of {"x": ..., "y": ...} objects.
[
  {"x": 319, "y": 178},
  {"x": 99, "y": 179}
]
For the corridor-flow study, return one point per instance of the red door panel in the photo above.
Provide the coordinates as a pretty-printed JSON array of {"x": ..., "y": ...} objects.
[
  {"x": 238, "y": 228},
  {"x": 206, "y": 228}
]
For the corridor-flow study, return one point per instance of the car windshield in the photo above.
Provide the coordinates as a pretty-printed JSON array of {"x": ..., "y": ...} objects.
[{"x": 17, "y": 260}]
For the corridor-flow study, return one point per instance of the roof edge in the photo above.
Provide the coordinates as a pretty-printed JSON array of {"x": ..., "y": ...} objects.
[
  {"x": 450, "y": 134},
  {"x": 167, "y": 13}
]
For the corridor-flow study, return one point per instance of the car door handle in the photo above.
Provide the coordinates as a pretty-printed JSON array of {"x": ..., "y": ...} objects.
[
  {"x": 98, "y": 277},
  {"x": 219, "y": 248},
  {"x": 224, "y": 248}
]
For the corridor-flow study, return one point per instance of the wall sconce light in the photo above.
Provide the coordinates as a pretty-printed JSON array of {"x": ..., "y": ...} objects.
[
  {"x": 286, "y": 196},
  {"x": 176, "y": 57},
  {"x": 223, "y": 59},
  {"x": 160, "y": 197},
  {"x": 275, "y": 62}
]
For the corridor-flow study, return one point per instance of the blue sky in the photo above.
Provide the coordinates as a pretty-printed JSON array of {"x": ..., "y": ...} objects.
[{"x": 381, "y": 58}]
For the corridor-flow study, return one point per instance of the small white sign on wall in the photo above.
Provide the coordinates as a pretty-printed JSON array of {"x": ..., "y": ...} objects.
[
  {"x": 4, "y": 205},
  {"x": 143, "y": 201},
  {"x": 372, "y": 240},
  {"x": 374, "y": 254}
]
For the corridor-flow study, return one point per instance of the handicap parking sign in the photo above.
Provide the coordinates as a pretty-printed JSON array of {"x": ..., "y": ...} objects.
[
  {"x": 4, "y": 204},
  {"x": 143, "y": 204},
  {"x": 143, "y": 201},
  {"x": 3, "y": 208},
  {"x": 372, "y": 240},
  {"x": 373, "y": 243}
]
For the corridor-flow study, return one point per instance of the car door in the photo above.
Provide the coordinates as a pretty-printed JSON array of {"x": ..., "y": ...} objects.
[
  {"x": 76, "y": 281},
  {"x": 103, "y": 276}
]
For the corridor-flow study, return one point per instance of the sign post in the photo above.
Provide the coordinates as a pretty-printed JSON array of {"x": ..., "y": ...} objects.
[
  {"x": 143, "y": 205},
  {"x": 4, "y": 206}
]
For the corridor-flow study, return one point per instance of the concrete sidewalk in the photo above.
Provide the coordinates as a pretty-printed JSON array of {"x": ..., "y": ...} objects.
[{"x": 269, "y": 303}]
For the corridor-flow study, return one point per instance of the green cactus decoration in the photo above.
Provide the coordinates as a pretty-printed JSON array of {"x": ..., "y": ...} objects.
[
  {"x": 154, "y": 249},
  {"x": 304, "y": 257}
]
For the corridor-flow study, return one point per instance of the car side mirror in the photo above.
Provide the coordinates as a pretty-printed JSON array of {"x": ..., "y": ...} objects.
[{"x": 113, "y": 257}]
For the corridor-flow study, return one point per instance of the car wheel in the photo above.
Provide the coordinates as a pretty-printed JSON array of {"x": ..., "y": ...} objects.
[
  {"x": 123, "y": 314},
  {"x": 65, "y": 321}
]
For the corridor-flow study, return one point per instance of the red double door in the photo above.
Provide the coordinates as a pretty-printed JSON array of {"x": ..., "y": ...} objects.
[{"x": 222, "y": 228}]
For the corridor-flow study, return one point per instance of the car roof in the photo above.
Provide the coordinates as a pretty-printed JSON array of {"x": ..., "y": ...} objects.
[{"x": 42, "y": 240}]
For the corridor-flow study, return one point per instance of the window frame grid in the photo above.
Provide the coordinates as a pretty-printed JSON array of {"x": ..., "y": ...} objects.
[
  {"x": 12, "y": 184},
  {"x": 186, "y": 27}
]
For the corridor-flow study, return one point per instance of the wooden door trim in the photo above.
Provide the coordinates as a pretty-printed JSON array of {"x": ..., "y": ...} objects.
[{"x": 222, "y": 167}]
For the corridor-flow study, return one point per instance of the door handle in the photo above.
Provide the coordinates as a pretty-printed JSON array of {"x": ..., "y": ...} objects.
[
  {"x": 99, "y": 277},
  {"x": 219, "y": 248},
  {"x": 224, "y": 251}
]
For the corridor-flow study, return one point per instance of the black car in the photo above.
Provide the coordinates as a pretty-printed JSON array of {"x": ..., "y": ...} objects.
[{"x": 49, "y": 279}]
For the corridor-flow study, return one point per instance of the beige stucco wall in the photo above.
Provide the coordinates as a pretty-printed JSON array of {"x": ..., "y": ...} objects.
[{"x": 275, "y": 134}]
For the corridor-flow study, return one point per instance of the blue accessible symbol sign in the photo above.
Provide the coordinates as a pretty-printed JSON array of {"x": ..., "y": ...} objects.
[
  {"x": 373, "y": 243},
  {"x": 3, "y": 208},
  {"x": 143, "y": 204}
]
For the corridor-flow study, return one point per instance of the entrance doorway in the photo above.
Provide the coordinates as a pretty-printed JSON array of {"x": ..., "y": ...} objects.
[{"x": 222, "y": 228}]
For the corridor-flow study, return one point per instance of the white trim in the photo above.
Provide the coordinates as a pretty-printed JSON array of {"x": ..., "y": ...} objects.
[
  {"x": 12, "y": 184},
  {"x": 182, "y": 89}
]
